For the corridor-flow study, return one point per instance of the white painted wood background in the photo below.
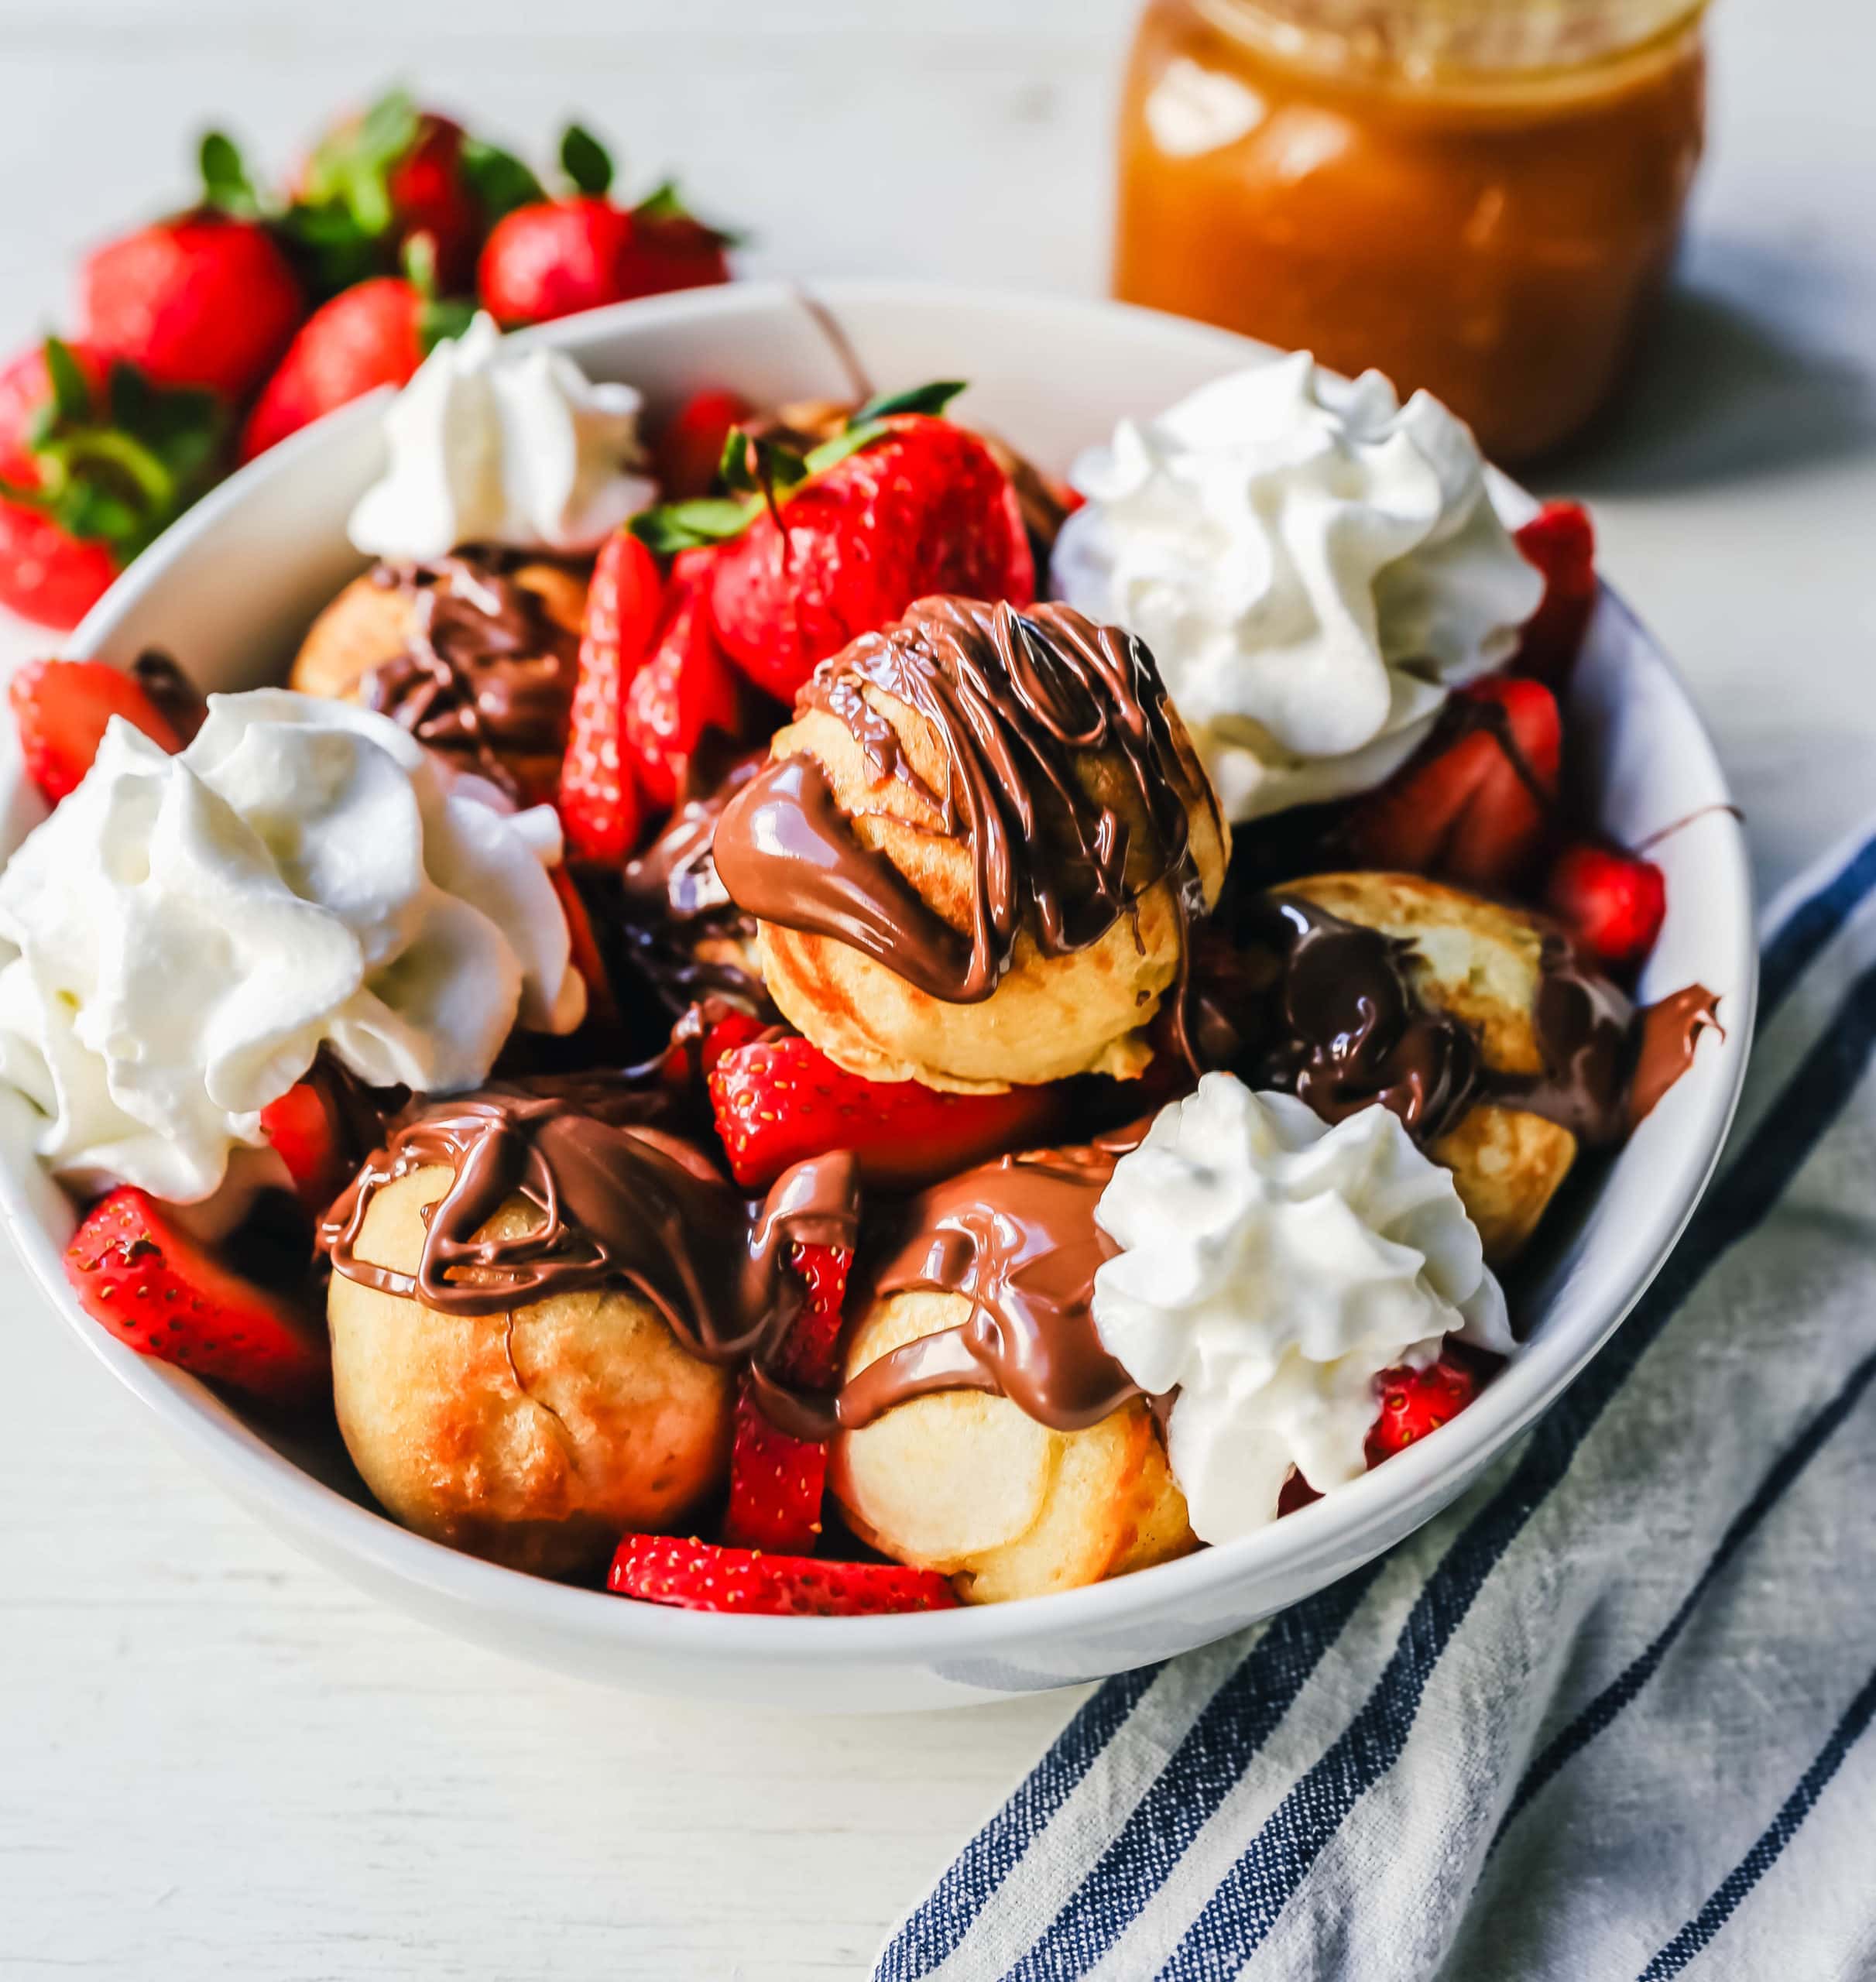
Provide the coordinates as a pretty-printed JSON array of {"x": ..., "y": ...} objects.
[{"x": 217, "y": 1761}]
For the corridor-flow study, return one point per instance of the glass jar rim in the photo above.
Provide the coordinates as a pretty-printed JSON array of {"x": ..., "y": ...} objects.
[{"x": 1456, "y": 42}]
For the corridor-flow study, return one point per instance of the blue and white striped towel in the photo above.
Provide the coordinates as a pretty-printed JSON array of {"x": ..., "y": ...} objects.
[{"x": 1602, "y": 1719}]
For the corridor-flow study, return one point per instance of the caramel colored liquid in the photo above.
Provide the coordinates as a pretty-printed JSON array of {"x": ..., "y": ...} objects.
[{"x": 1500, "y": 244}]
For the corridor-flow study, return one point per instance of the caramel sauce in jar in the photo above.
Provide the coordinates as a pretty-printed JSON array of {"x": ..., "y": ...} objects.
[{"x": 1481, "y": 197}]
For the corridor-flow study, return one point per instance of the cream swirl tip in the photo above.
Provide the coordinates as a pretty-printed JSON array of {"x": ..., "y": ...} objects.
[{"x": 1271, "y": 1267}]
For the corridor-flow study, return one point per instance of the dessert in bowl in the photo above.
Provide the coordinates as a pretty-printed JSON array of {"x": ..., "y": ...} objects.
[{"x": 1007, "y": 1112}]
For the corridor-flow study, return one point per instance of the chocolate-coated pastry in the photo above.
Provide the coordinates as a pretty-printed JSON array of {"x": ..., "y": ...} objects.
[
  {"x": 475, "y": 654},
  {"x": 976, "y": 853}
]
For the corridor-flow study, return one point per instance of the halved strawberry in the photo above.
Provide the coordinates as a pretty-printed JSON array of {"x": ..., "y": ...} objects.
[
  {"x": 1612, "y": 902},
  {"x": 779, "y": 1100},
  {"x": 598, "y": 799},
  {"x": 1474, "y": 805},
  {"x": 687, "y": 451},
  {"x": 685, "y": 687},
  {"x": 776, "y": 1481},
  {"x": 304, "y": 1135},
  {"x": 62, "y": 707},
  {"x": 1414, "y": 1402},
  {"x": 1560, "y": 541},
  {"x": 698, "y": 1575},
  {"x": 156, "y": 1289}
]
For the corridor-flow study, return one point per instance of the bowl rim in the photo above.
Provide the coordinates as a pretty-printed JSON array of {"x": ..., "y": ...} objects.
[{"x": 1356, "y": 1520}]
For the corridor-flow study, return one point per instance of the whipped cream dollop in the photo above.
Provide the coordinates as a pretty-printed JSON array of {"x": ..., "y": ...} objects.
[
  {"x": 182, "y": 934},
  {"x": 1313, "y": 566},
  {"x": 1271, "y": 1267},
  {"x": 492, "y": 445}
]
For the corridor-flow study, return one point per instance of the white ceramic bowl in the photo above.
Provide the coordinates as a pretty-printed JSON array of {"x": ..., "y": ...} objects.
[{"x": 229, "y": 591}]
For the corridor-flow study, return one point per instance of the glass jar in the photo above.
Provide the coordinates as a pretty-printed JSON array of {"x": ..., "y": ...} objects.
[{"x": 1479, "y": 197}]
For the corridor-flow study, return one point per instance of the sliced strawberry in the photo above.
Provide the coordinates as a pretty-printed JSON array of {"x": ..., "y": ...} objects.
[
  {"x": 1560, "y": 541},
  {"x": 158, "y": 1291},
  {"x": 698, "y": 1575},
  {"x": 598, "y": 798},
  {"x": 1474, "y": 806},
  {"x": 1414, "y": 1402},
  {"x": 777, "y": 1101},
  {"x": 684, "y": 688},
  {"x": 776, "y": 1481},
  {"x": 62, "y": 709},
  {"x": 304, "y": 1135},
  {"x": 1611, "y": 902},
  {"x": 689, "y": 449},
  {"x": 601, "y": 1007}
]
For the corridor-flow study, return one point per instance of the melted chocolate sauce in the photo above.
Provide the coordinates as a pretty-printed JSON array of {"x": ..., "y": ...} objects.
[
  {"x": 622, "y": 1201},
  {"x": 1670, "y": 1031},
  {"x": 1017, "y": 1238},
  {"x": 180, "y": 703},
  {"x": 671, "y": 913},
  {"x": 1343, "y": 1029},
  {"x": 1014, "y": 699},
  {"x": 489, "y": 673}
]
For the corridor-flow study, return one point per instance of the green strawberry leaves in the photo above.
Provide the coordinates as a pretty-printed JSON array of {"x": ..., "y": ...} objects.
[
  {"x": 499, "y": 180},
  {"x": 226, "y": 185},
  {"x": 760, "y": 473},
  {"x": 118, "y": 472},
  {"x": 585, "y": 161}
]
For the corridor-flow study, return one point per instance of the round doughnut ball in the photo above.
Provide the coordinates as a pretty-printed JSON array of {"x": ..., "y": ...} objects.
[
  {"x": 1050, "y": 1016},
  {"x": 535, "y": 1438},
  {"x": 1481, "y": 962},
  {"x": 969, "y": 1485},
  {"x": 368, "y": 624}
]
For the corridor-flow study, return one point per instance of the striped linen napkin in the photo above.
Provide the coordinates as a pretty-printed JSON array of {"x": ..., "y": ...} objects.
[{"x": 1602, "y": 1718}]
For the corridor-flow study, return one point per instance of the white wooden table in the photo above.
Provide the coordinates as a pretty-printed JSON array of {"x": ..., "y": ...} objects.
[{"x": 216, "y": 1760}]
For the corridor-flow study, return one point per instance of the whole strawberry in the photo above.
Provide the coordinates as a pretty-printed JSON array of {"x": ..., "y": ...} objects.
[
  {"x": 906, "y": 505},
  {"x": 95, "y": 461},
  {"x": 208, "y": 301},
  {"x": 376, "y": 334},
  {"x": 1614, "y": 903},
  {"x": 553, "y": 258}
]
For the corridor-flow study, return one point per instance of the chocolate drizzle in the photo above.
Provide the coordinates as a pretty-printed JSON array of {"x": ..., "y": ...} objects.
[
  {"x": 1333, "y": 1018},
  {"x": 1017, "y": 1238},
  {"x": 621, "y": 1202},
  {"x": 488, "y": 671},
  {"x": 673, "y": 912},
  {"x": 1014, "y": 700},
  {"x": 1344, "y": 1029}
]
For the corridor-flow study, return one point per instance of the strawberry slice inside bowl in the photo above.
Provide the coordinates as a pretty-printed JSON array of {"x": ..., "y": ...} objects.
[{"x": 230, "y": 588}]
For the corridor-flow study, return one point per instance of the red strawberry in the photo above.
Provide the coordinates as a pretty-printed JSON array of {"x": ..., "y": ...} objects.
[
  {"x": 95, "y": 461},
  {"x": 688, "y": 450},
  {"x": 777, "y": 1101},
  {"x": 1560, "y": 541},
  {"x": 1465, "y": 808},
  {"x": 306, "y": 1140},
  {"x": 776, "y": 1482},
  {"x": 157, "y": 1290},
  {"x": 1414, "y": 1402},
  {"x": 376, "y": 335},
  {"x": 697, "y": 1575},
  {"x": 586, "y": 960},
  {"x": 684, "y": 688},
  {"x": 599, "y": 796},
  {"x": 553, "y": 258},
  {"x": 924, "y": 509},
  {"x": 207, "y": 300},
  {"x": 1612, "y": 902},
  {"x": 62, "y": 708}
]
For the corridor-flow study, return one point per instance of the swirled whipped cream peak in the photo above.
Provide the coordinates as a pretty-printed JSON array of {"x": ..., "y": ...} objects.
[
  {"x": 1313, "y": 565},
  {"x": 184, "y": 932},
  {"x": 490, "y": 444},
  {"x": 1271, "y": 1267}
]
